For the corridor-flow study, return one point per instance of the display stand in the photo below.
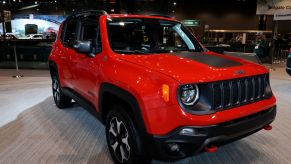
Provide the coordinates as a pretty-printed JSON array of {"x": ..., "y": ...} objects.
[{"x": 16, "y": 64}]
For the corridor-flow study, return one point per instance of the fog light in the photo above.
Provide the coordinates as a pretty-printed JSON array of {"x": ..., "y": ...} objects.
[
  {"x": 174, "y": 147},
  {"x": 187, "y": 132}
]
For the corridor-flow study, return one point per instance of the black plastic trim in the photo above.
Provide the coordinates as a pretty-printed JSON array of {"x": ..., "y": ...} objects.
[
  {"x": 288, "y": 63},
  {"x": 219, "y": 134},
  {"x": 131, "y": 100},
  {"x": 52, "y": 66},
  {"x": 288, "y": 70},
  {"x": 122, "y": 94},
  {"x": 82, "y": 101}
]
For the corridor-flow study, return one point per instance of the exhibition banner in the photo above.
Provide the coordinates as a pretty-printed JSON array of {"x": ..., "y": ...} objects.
[
  {"x": 282, "y": 15},
  {"x": 270, "y": 7}
]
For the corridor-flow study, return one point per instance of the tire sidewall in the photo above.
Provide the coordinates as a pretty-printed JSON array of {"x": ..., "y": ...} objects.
[
  {"x": 120, "y": 114},
  {"x": 55, "y": 78}
]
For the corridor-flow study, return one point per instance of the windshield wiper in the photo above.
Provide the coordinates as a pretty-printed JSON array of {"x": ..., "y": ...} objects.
[{"x": 131, "y": 51}]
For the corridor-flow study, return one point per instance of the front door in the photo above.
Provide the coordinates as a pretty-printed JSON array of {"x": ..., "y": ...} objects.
[{"x": 86, "y": 67}]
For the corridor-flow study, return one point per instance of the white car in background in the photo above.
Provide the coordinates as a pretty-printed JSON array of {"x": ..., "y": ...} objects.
[
  {"x": 32, "y": 36},
  {"x": 36, "y": 36}
]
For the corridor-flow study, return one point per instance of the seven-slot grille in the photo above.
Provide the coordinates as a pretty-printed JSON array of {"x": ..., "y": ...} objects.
[{"x": 230, "y": 93}]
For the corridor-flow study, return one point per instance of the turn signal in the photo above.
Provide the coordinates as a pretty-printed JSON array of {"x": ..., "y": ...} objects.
[{"x": 165, "y": 92}]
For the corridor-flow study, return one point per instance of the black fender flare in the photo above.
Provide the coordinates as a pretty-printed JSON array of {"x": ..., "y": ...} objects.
[
  {"x": 53, "y": 66},
  {"x": 131, "y": 100}
]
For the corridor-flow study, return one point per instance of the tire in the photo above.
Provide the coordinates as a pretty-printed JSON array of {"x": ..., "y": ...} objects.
[
  {"x": 125, "y": 140},
  {"x": 61, "y": 100}
]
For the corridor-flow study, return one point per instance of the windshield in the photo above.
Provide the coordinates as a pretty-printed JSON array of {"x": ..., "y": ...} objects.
[{"x": 135, "y": 35}]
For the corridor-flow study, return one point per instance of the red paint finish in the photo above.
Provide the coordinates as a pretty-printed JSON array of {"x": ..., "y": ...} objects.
[{"x": 144, "y": 75}]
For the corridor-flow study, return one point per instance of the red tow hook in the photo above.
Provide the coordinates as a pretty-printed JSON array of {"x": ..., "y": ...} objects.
[
  {"x": 268, "y": 127},
  {"x": 211, "y": 149}
]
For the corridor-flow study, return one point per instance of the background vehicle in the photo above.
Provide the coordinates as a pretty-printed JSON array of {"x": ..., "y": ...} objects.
[
  {"x": 35, "y": 36},
  {"x": 7, "y": 37},
  {"x": 32, "y": 36},
  {"x": 159, "y": 93}
]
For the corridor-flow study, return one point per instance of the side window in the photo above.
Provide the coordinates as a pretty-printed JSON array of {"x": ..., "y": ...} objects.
[
  {"x": 70, "y": 33},
  {"x": 90, "y": 32}
]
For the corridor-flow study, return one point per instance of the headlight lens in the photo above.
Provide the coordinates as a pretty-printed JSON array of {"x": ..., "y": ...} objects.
[{"x": 189, "y": 94}]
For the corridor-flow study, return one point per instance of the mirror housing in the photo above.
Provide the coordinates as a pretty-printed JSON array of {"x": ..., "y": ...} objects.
[{"x": 84, "y": 47}]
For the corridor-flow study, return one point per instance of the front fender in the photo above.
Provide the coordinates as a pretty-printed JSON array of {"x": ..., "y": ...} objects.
[{"x": 144, "y": 84}]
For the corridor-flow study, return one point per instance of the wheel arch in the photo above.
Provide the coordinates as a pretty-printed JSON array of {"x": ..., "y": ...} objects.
[
  {"x": 53, "y": 68},
  {"x": 109, "y": 93}
]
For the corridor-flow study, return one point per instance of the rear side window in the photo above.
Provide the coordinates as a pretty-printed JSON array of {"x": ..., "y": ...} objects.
[{"x": 70, "y": 33}]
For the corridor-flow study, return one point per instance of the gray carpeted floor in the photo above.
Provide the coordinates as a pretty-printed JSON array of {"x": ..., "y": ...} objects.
[{"x": 45, "y": 134}]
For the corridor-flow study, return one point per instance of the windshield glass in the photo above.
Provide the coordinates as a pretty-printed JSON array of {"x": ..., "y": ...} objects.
[{"x": 135, "y": 35}]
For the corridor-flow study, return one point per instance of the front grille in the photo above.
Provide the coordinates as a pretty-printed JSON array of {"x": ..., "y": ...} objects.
[{"x": 231, "y": 93}]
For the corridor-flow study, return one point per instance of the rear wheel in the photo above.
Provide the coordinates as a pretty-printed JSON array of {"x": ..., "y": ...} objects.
[
  {"x": 61, "y": 100},
  {"x": 123, "y": 141}
]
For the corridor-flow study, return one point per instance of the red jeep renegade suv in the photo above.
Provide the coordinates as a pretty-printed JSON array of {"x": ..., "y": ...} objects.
[{"x": 158, "y": 91}]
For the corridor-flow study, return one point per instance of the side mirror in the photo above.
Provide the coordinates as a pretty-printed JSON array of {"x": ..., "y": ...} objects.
[{"x": 84, "y": 47}]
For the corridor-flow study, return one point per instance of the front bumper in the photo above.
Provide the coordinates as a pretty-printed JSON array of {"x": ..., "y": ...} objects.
[{"x": 209, "y": 135}]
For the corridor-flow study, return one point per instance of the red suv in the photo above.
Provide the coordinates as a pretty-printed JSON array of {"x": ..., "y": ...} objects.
[{"x": 158, "y": 91}]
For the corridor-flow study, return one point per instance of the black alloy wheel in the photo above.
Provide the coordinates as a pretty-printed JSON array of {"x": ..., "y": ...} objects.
[
  {"x": 118, "y": 139},
  {"x": 123, "y": 140}
]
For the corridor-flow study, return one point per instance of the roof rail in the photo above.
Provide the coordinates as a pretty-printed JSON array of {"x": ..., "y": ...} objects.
[
  {"x": 160, "y": 15},
  {"x": 88, "y": 12}
]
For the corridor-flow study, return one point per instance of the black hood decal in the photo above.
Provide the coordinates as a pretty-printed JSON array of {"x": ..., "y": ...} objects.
[{"x": 211, "y": 60}]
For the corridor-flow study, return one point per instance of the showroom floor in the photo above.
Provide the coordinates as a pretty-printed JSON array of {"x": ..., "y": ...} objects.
[{"x": 33, "y": 130}]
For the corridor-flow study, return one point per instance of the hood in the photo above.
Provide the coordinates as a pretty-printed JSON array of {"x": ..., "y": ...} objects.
[{"x": 196, "y": 67}]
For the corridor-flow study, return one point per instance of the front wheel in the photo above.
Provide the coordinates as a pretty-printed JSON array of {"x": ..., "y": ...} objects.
[{"x": 123, "y": 140}]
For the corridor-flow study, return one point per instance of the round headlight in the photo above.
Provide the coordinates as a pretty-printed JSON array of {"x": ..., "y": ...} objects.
[{"x": 189, "y": 94}]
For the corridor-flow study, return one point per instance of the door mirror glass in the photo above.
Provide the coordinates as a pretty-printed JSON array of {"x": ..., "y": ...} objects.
[{"x": 83, "y": 47}]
